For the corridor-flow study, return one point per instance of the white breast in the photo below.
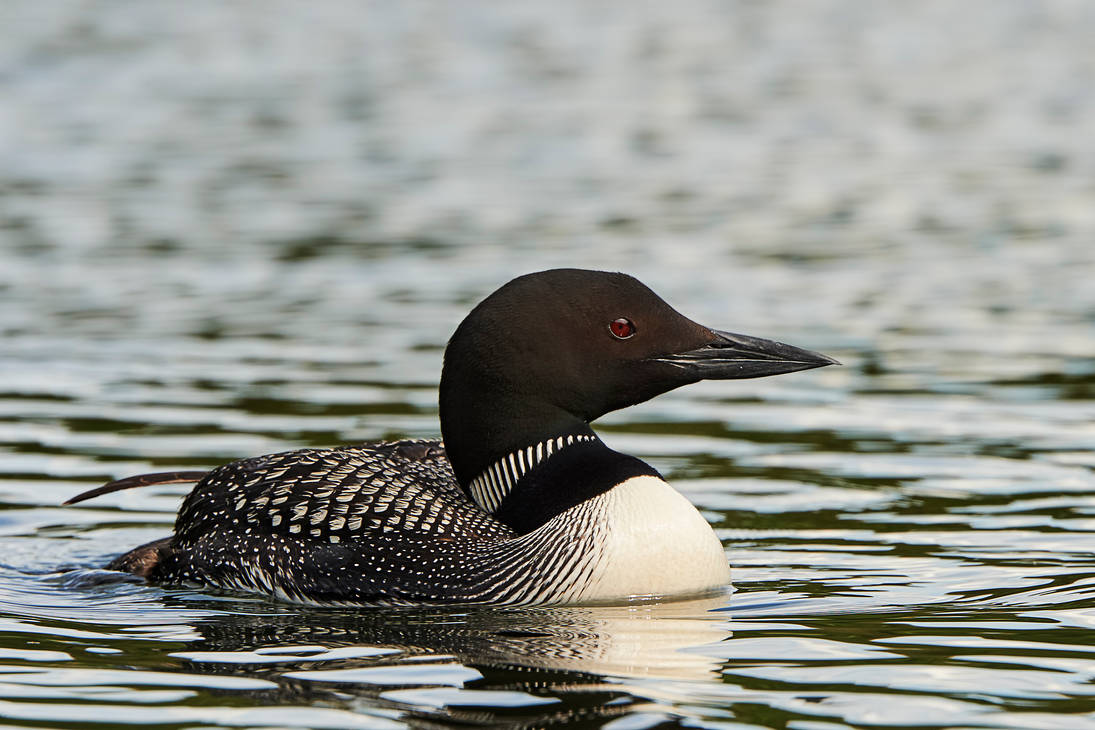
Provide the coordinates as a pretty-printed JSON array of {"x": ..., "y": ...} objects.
[{"x": 654, "y": 543}]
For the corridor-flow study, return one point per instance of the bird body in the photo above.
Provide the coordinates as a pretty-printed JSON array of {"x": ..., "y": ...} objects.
[{"x": 523, "y": 504}]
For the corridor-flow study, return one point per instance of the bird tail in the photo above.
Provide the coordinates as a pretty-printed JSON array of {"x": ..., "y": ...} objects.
[{"x": 141, "y": 480}]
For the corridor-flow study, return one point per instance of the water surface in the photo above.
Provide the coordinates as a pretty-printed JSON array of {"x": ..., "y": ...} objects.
[{"x": 226, "y": 231}]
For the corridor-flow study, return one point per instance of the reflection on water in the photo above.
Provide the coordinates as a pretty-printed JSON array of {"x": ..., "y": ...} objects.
[
  {"x": 225, "y": 231},
  {"x": 643, "y": 640},
  {"x": 295, "y": 655}
]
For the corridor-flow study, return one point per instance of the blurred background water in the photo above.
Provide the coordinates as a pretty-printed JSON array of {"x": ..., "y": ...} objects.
[{"x": 234, "y": 228}]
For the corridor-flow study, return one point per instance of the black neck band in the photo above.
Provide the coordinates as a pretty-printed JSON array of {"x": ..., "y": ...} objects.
[{"x": 571, "y": 476}]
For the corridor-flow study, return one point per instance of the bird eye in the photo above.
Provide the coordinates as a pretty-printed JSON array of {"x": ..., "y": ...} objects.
[{"x": 621, "y": 328}]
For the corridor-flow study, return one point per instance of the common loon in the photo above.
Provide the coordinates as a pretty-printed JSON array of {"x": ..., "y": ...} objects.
[{"x": 522, "y": 503}]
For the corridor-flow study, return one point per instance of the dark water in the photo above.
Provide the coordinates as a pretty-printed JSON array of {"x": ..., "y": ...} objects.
[{"x": 229, "y": 229}]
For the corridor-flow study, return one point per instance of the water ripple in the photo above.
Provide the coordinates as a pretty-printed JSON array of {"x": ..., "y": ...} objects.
[{"x": 226, "y": 231}]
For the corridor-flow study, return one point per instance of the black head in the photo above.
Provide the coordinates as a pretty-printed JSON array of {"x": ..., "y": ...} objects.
[{"x": 551, "y": 351}]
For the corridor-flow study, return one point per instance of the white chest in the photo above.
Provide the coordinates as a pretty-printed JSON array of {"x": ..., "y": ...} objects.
[{"x": 652, "y": 542}]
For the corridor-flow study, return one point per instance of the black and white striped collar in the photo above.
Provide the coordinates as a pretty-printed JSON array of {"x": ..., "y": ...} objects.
[{"x": 497, "y": 480}]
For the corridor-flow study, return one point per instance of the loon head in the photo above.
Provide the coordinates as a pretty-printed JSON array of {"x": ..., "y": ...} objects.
[{"x": 549, "y": 352}]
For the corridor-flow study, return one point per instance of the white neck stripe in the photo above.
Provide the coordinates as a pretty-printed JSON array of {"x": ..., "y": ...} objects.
[{"x": 497, "y": 480}]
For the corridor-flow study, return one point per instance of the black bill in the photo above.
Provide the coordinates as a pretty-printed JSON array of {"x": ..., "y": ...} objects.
[{"x": 732, "y": 356}]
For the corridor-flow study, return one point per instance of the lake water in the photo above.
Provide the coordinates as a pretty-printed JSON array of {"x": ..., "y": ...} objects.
[{"x": 230, "y": 229}]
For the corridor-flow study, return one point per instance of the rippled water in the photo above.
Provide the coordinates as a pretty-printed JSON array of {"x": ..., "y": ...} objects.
[{"x": 228, "y": 230}]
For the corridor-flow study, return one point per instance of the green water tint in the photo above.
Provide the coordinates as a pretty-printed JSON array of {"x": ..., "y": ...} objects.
[
  {"x": 883, "y": 576},
  {"x": 230, "y": 232}
]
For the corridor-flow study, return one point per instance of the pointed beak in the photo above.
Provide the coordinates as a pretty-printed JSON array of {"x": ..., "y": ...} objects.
[{"x": 733, "y": 356}]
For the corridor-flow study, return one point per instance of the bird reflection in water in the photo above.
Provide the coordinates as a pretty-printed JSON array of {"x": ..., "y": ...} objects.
[
  {"x": 655, "y": 639},
  {"x": 581, "y": 655}
]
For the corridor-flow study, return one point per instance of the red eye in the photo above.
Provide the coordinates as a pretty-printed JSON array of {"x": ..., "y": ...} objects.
[{"x": 621, "y": 328}]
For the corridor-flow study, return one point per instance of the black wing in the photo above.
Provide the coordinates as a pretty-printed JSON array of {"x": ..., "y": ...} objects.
[{"x": 336, "y": 495}]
